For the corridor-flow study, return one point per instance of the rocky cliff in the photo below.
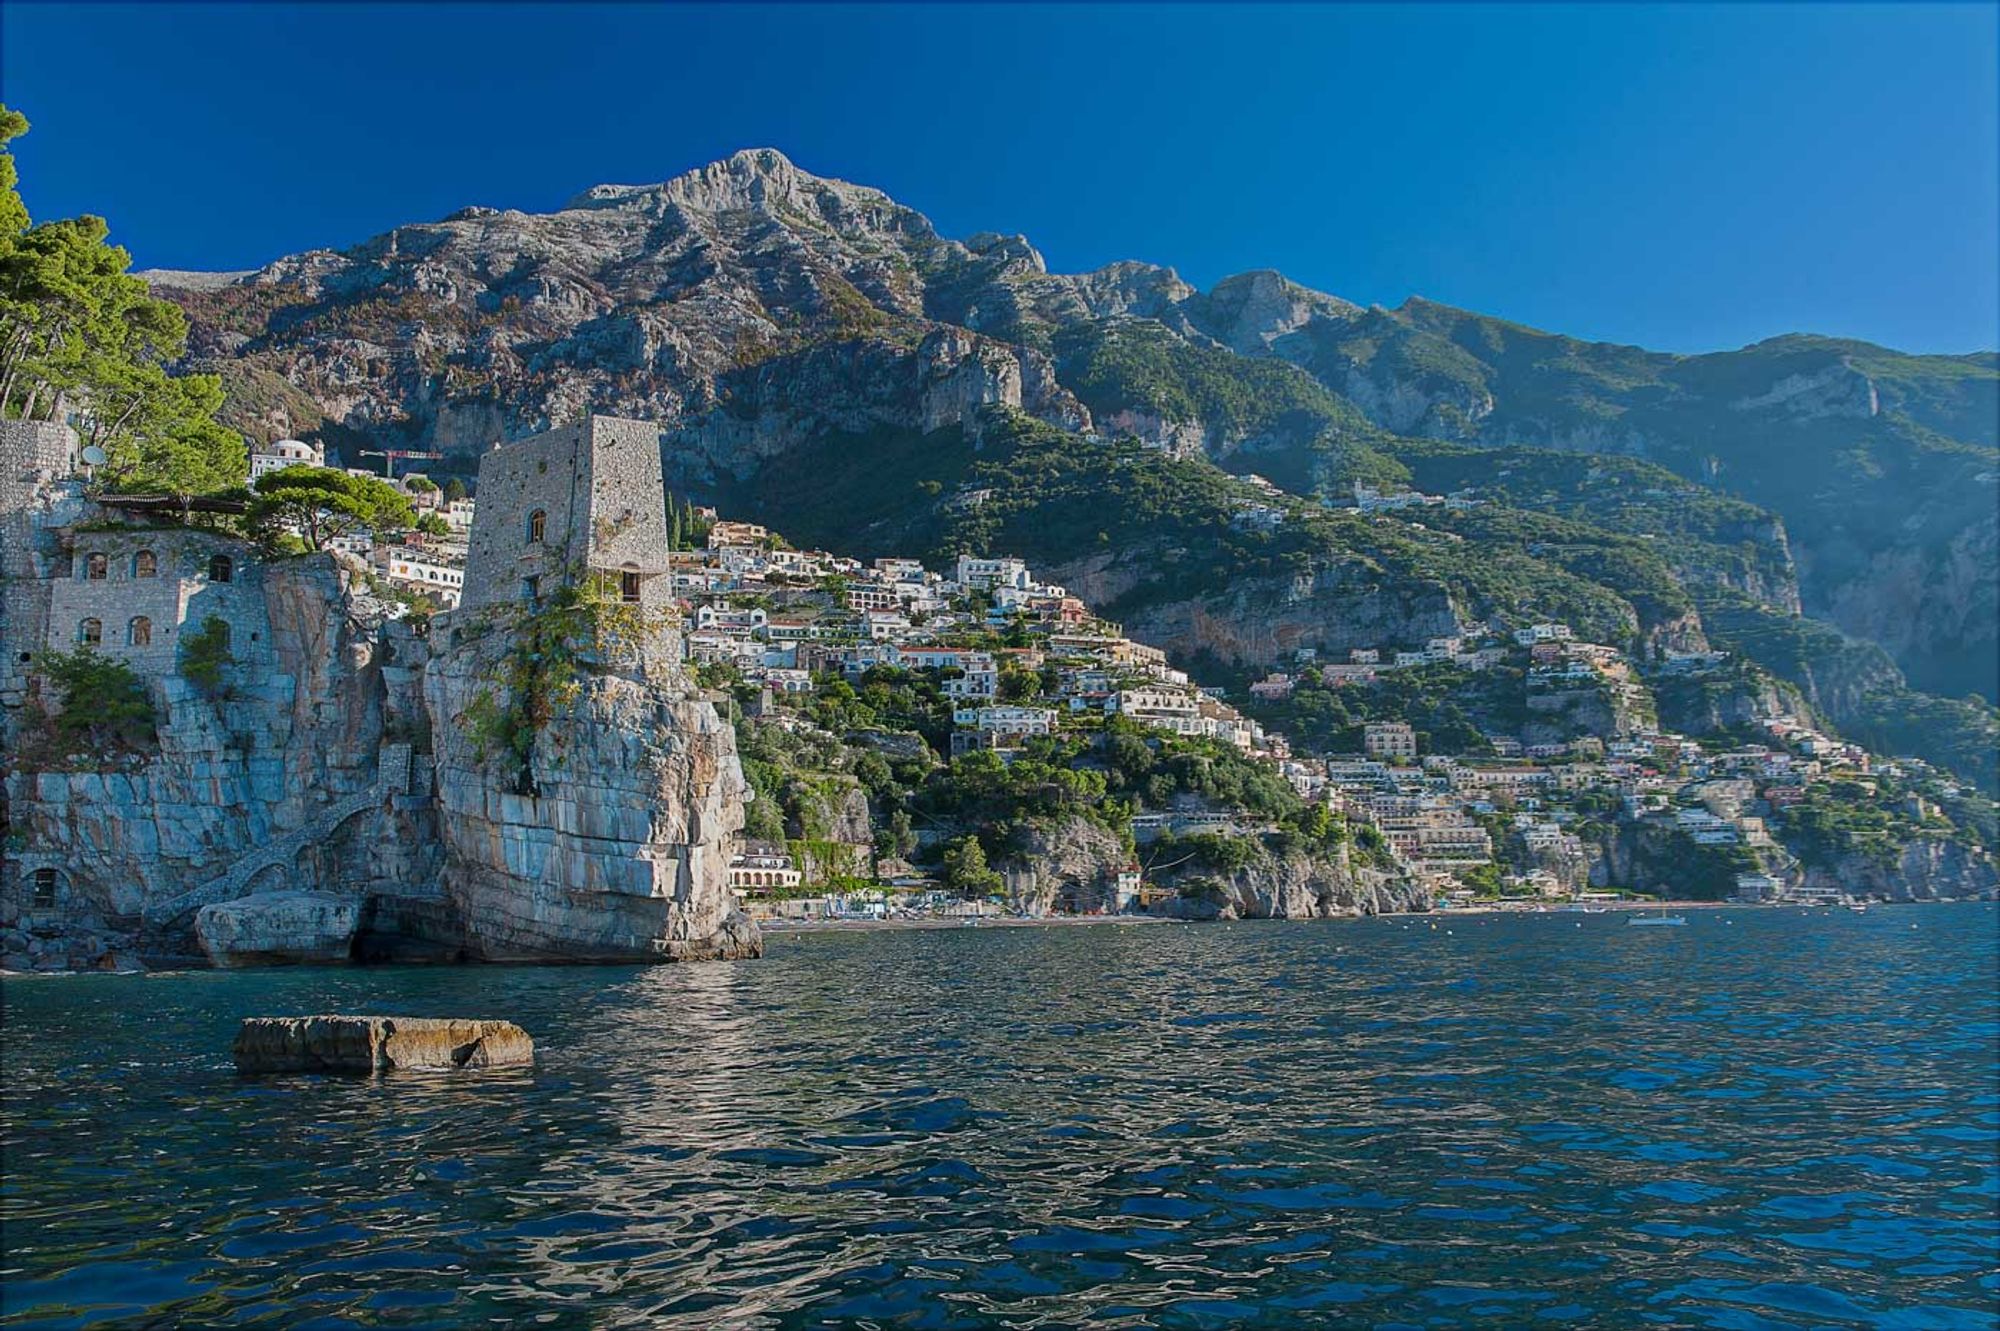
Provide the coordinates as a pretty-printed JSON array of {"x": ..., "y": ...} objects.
[
  {"x": 1333, "y": 608},
  {"x": 1072, "y": 861},
  {"x": 289, "y": 736},
  {"x": 324, "y": 795},
  {"x": 1294, "y": 884},
  {"x": 1922, "y": 869},
  {"x": 603, "y": 836}
]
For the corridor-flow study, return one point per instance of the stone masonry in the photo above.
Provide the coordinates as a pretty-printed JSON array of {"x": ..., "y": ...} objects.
[
  {"x": 586, "y": 495},
  {"x": 37, "y": 459}
]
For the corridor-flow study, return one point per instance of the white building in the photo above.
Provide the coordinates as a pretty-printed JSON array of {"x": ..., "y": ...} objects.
[
  {"x": 1007, "y": 720},
  {"x": 1389, "y": 739},
  {"x": 426, "y": 572},
  {"x": 285, "y": 453},
  {"x": 987, "y": 574}
]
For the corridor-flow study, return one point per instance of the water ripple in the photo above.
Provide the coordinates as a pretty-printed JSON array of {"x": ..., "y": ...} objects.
[{"x": 1781, "y": 1122}]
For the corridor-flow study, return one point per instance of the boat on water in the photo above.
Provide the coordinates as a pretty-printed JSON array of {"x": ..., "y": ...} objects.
[
  {"x": 1578, "y": 908},
  {"x": 1858, "y": 907},
  {"x": 1660, "y": 919}
]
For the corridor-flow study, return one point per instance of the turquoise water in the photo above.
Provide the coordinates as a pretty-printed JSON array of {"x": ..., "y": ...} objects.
[{"x": 1766, "y": 1119}]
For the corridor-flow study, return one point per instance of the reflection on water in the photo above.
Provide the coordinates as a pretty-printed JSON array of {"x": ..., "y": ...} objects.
[{"x": 1765, "y": 1119}]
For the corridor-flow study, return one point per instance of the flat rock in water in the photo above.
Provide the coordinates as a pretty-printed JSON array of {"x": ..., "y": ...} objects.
[{"x": 378, "y": 1044}]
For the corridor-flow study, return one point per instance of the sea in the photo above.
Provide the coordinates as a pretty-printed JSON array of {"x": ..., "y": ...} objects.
[{"x": 1768, "y": 1118}]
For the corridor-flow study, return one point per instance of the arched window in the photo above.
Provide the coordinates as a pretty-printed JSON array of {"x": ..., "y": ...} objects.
[
  {"x": 94, "y": 567},
  {"x": 45, "y": 887},
  {"x": 221, "y": 568},
  {"x": 538, "y": 527},
  {"x": 628, "y": 586},
  {"x": 145, "y": 565},
  {"x": 139, "y": 633},
  {"x": 90, "y": 632}
]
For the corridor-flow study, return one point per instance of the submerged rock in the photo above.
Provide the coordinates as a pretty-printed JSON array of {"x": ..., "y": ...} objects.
[
  {"x": 377, "y": 1044},
  {"x": 276, "y": 928}
]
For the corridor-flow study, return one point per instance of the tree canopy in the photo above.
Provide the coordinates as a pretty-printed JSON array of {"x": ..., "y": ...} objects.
[
  {"x": 320, "y": 503},
  {"x": 84, "y": 341}
]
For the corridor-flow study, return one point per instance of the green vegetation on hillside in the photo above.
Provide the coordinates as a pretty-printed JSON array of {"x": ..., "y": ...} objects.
[{"x": 1287, "y": 424}]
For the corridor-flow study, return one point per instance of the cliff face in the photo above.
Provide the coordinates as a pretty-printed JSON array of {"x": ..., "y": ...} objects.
[
  {"x": 1073, "y": 859},
  {"x": 1295, "y": 885},
  {"x": 611, "y": 841},
  {"x": 1924, "y": 869},
  {"x": 1333, "y": 609},
  {"x": 292, "y": 735},
  {"x": 287, "y": 811}
]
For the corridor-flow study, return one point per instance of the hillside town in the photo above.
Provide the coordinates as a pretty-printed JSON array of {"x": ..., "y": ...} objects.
[
  {"x": 1590, "y": 802},
  {"x": 1022, "y": 658}
]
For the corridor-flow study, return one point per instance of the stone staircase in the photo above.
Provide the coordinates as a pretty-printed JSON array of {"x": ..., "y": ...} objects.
[{"x": 392, "y": 778}]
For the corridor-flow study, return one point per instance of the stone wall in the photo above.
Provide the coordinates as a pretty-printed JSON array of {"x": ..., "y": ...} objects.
[
  {"x": 180, "y": 596},
  {"x": 546, "y": 474},
  {"x": 597, "y": 487},
  {"x": 36, "y": 458}
]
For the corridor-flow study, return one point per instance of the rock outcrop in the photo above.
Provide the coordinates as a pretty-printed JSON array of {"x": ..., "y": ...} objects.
[
  {"x": 378, "y": 1044},
  {"x": 1071, "y": 862},
  {"x": 609, "y": 840},
  {"x": 278, "y": 928},
  {"x": 1294, "y": 885},
  {"x": 1335, "y": 608},
  {"x": 1923, "y": 869}
]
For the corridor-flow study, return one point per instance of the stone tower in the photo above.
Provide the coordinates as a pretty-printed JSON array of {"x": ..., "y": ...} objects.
[
  {"x": 581, "y": 496},
  {"x": 37, "y": 459}
]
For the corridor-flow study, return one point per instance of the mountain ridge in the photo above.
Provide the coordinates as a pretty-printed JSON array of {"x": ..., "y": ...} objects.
[{"x": 757, "y": 307}]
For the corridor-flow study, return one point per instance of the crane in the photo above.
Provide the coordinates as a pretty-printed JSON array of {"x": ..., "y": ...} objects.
[{"x": 389, "y": 456}]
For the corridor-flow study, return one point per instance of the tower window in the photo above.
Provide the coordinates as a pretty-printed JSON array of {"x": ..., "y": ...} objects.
[
  {"x": 139, "y": 633},
  {"x": 45, "y": 887},
  {"x": 221, "y": 568},
  {"x": 538, "y": 527},
  {"x": 628, "y": 586},
  {"x": 90, "y": 632},
  {"x": 94, "y": 567},
  {"x": 145, "y": 565}
]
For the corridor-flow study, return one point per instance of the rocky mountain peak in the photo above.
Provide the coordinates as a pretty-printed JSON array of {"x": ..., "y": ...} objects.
[{"x": 1250, "y": 311}]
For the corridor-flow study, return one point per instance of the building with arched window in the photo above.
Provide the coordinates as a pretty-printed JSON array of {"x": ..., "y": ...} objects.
[
  {"x": 156, "y": 584},
  {"x": 89, "y": 632},
  {"x": 586, "y": 497}
]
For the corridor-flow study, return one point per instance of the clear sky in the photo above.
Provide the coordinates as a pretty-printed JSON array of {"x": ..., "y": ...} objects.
[{"x": 1681, "y": 177}]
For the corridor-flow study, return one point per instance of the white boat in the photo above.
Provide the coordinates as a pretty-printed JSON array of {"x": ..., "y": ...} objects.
[
  {"x": 1858, "y": 907},
  {"x": 1661, "y": 918}
]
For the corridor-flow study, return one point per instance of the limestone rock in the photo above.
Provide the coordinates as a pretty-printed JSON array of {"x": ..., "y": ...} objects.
[
  {"x": 377, "y": 1044},
  {"x": 277, "y": 928},
  {"x": 612, "y": 841},
  {"x": 1074, "y": 859}
]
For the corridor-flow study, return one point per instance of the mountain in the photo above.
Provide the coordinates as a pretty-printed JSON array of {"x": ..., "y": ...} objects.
[{"x": 830, "y": 362}]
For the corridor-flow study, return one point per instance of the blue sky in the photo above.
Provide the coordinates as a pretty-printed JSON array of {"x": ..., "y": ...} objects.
[{"x": 1680, "y": 177}]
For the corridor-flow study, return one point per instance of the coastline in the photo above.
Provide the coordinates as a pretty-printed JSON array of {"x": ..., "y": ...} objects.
[
  {"x": 958, "y": 922},
  {"x": 1456, "y": 912}
]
